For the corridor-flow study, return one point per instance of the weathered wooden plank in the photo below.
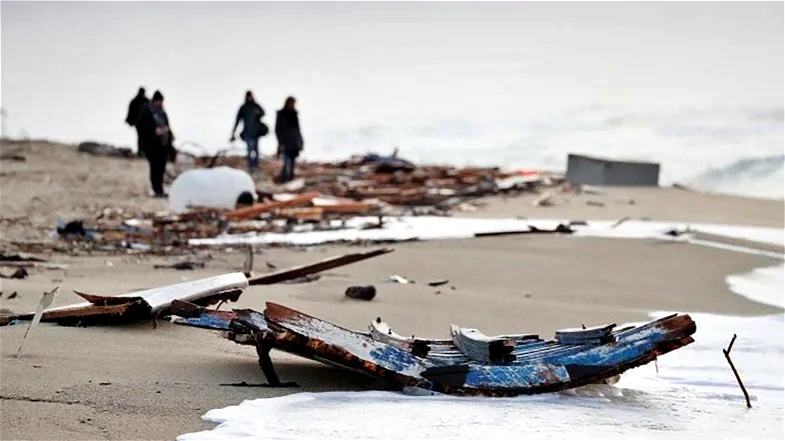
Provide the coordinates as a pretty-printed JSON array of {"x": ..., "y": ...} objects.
[
  {"x": 350, "y": 349},
  {"x": 593, "y": 335},
  {"x": 479, "y": 347},
  {"x": 324, "y": 265},
  {"x": 540, "y": 366},
  {"x": 146, "y": 303}
]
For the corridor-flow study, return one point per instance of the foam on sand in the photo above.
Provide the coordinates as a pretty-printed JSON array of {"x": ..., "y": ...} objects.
[{"x": 437, "y": 227}]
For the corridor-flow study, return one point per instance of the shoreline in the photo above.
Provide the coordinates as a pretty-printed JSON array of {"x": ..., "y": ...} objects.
[{"x": 240, "y": 152}]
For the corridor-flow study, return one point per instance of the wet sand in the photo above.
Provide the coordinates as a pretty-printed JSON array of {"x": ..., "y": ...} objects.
[{"x": 137, "y": 382}]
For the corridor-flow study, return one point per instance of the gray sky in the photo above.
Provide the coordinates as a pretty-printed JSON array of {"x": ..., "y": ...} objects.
[{"x": 69, "y": 69}]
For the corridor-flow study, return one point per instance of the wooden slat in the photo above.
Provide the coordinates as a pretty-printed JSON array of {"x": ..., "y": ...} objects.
[
  {"x": 257, "y": 209},
  {"x": 304, "y": 270}
]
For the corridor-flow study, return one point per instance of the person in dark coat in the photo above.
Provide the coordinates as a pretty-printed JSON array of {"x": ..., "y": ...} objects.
[
  {"x": 156, "y": 138},
  {"x": 135, "y": 107},
  {"x": 290, "y": 139},
  {"x": 250, "y": 114}
]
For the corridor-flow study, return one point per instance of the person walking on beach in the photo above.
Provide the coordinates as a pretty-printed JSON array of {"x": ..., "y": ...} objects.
[
  {"x": 250, "y": 114},
  {"x": 138, "y": 103},
  {"x": 156, "y": 138},
  {"x": 290, "y": 139}
]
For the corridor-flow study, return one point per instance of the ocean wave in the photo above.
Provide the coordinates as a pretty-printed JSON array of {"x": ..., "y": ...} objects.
[
  {"x": 761, "y": 176},
  {"x": 698, "y": 145}
]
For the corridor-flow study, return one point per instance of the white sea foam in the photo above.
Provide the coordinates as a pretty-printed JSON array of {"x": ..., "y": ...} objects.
[
  {"x": 437, "y": 227},
  {"x": 763, "y": 285}
]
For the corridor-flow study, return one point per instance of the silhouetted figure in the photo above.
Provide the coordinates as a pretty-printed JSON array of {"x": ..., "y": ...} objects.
[
  {"x": 156, "y": 138},
  {"x": 290, "y": 139},
  {"x": 251, "y": 114},
  {"x": 138, "y": 103}
]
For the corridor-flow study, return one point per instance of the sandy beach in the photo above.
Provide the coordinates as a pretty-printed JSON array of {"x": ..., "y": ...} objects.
[{"x": 140, "y": 382}]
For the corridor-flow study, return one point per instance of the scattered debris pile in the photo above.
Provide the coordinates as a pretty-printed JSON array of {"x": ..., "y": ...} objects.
[
  {"x": 323, "y": 198},
  {"x": 398, "y": 182}
]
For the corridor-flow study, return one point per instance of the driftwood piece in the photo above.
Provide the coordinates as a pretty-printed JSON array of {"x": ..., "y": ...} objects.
[
  {"x": 184, "y": 265},
  {"x": 726, "y": 352},
  {"x": 20, "y": 273},
  {"x": 620, "y": 221},
  {"x": 248, "y": 263},
  {"x": 142, "y": 304},
  {"x": 561, "y": 228},
  {"x": 326, "y": 264},
  {"x": 46, "y": 300}
]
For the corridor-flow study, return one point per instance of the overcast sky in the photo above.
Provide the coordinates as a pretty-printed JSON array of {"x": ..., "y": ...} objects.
[{"x": 69, "y": 69}]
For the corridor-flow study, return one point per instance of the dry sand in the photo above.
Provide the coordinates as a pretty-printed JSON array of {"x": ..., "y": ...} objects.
[{"x": 136, "y": 382}]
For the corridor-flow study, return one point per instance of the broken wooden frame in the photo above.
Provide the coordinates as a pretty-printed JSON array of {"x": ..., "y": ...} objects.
[
  {"x": 531, "y": 366},
  {"x": 142, "y": 304},
  {"x": 156, "y": 302}
]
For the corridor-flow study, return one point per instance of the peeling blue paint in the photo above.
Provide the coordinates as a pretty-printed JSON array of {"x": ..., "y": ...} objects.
[
  {"x": 205, "y": 321},
  {"x": 392, "y": 358},
  {"x": 515, "y": 376}
]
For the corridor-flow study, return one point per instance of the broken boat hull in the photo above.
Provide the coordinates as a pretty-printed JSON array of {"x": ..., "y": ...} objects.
[{"x": 538, "y": 366}]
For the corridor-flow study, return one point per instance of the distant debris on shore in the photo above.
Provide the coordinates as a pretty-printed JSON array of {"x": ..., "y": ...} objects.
[
  {"x": 101, "y": 149},
  {"x": 327, "y": 196}
]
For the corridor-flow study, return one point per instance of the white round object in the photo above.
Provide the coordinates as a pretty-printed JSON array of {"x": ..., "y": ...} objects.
[{"x": 217, "y": 187}]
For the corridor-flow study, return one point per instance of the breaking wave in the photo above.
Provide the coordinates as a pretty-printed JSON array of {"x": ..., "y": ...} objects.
[{"x": 746, "y": 177}]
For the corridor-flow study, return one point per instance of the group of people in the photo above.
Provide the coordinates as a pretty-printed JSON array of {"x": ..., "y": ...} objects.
[{"x": 155, "y": 137}]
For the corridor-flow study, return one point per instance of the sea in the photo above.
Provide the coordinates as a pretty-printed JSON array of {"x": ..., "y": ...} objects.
[{"x": 695, "y": 86}]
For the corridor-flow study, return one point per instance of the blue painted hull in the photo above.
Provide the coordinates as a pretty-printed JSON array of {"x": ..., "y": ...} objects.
[{"x": 539, "y": 366}]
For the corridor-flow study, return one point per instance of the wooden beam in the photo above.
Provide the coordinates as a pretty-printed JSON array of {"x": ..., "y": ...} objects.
[{"x": 323, "y": 265}]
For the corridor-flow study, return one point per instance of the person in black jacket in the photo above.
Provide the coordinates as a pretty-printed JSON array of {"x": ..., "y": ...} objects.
[
  {"x": 290, "y": 139},
  {"x": 250, "y": 114},
  {"x": 135, "y": 107},
  {"x": 156, "y": 138}
]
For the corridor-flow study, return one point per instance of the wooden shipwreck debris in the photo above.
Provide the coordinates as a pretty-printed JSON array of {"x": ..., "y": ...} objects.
[
  {"x": 19, "y": 273},
  {"x": 479, "y": 347},
  {"x": 143, "y": 304},
  {"x": 324, "y": 265},
  {"x": 157, "y": 301},
  {"x": 560, "y": 229},
  {"x": 324, "y": 197},
  {"x": 468, "y": 364}
]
